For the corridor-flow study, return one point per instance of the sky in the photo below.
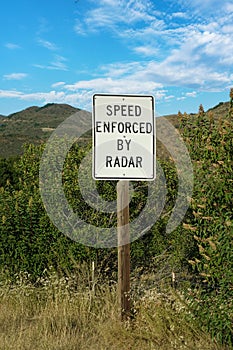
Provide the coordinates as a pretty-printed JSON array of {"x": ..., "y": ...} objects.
[{"x": 64, "y": 51}]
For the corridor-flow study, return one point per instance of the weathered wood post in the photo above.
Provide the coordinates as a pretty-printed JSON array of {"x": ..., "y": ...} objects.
[{"x": 123, "y": 249}]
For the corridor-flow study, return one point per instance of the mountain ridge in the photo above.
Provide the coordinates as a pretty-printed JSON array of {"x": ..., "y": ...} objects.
[{"x": 35, "y": 124}]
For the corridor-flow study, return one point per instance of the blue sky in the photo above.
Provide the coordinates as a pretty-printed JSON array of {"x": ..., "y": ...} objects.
[{"x": 64, "y": 51}]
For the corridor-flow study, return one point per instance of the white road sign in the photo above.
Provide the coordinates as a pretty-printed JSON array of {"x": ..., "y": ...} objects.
[{"x": 123, "y": 137}]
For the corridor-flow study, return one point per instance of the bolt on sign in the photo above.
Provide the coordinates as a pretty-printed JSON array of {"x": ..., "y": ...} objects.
[{"x": 123, "y": 137}]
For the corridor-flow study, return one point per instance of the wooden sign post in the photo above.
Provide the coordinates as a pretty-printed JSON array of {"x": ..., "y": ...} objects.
[
  {"x": 123, "y": 249},
  {"x": 124, "y": 150}
]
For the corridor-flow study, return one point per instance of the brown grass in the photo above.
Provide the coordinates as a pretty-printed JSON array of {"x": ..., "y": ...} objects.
[{"x": 65, "y": 314}]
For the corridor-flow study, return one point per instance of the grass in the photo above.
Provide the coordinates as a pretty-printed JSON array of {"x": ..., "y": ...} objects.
[{"x": 66, "y": 314}]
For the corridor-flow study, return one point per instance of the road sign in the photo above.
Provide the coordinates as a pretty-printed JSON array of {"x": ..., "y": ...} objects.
[{"x": 123, "y": 137}]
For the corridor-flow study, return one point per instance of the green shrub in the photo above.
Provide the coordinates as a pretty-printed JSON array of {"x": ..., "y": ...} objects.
[{"x": 210, "y": 147}]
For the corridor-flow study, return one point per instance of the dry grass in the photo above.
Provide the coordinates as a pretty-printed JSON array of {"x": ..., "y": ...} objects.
[{"x": 64, "y": 314}]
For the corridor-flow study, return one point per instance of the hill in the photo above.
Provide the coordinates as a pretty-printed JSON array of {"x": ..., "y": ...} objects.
[
  {"x": 32, "y": 125},
  {"x": 35, "y": 125}
]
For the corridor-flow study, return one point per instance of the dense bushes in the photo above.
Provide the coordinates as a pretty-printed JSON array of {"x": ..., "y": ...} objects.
[
  {"x": 210, "y": 147},
  {"x": 29, "y": 241}
]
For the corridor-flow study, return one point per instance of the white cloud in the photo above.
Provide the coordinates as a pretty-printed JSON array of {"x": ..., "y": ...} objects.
[
  {"x": 80, "y": 93},
  {"x": 15, "y": 76},
  {"x": 37, "y": 96},
  {"x": 197, "y": 54},
  {"x": 203, "y": 7},
  {"x": 114, "y": 86},
  {"x": 146, "y": 50},
  {"x": 206, "y": 3},
  {"x": 12, "y": 46},
  {"x": 79, "y": 28},
  {"x": 57, "y": 64},
  {"x": 179, "y": 15},
  {"x": 82, "y": 98},
  {"x": 207, "y": 42},
  {"x": 10, "y": 94},
  {"x": 169, "y": 97},
  {"x": 226, "y": 61},
  {"x": 150, "y": 77},
  {"x": 229, "y": 7},
  {"x": 227, "y": 29},
  {"x": 120, "y": 70},
  {"x": 108, "y": 14},
  {"x": 191, "y": 94},
  {"x": 47, "y": 44},
  {"x": 58, "y": 84},
  {"x": 182, "y": 75}
]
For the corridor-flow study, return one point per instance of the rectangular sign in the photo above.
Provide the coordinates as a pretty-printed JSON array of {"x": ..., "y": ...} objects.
[{"x": 123, "y": 137}]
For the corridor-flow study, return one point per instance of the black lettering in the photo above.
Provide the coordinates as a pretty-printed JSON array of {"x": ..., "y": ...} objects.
[
  {"x": 123, "y": 111},
  {"x": 138, "y": 111},
  {"x": 109, "y": 109},
  {"x": 98, "y": 126},
  {"x": 109, "y": 161},
  {"x": 131, "y": 162},
  {"x": 142, "y": 128},
  {"x": 130, "y": 111},
  {"x": 128, "y": 143},
  {"x": 124, "y": 161},
  {"x": 106, "y": 126},
  {"x": 135, "y": 127},
  {"x": 148, "y": 128},
  {"x": 127, "y": 127},
  {"x": 114, "y": 125},
  {"x": 116, "y": 109},
  {"x": 117, "y": 162},
  {"x": 121, "y": 127},
  {"x": 138, "y": 162},
  {"x": 120, "y": 145}
]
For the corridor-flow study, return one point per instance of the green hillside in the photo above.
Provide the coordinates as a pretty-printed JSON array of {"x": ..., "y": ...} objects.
[
  {"x": 35, "y": 124},
  {"x": 32, "y": 125}
]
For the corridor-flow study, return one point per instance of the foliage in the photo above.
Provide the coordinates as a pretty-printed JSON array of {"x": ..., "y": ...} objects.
[
  {"x": 29, "y": 241},
  {"x": 7, "y": 171},
  {"x": 199, "y": 252},
  {"x": 210, "y": 147}
]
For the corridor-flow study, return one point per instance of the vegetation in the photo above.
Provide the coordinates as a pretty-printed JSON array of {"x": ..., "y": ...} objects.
[
  {"x": 66, "y": 314},
  {"x": 210, "y": 219},
  {"x": 32, "y": 125},
  {"x": 49, "y": 308}
]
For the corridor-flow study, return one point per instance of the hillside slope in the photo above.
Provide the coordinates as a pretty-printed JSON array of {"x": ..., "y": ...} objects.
[
  {"x": 32, "y": 125},
  {"x": 35, "y": 125}
]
